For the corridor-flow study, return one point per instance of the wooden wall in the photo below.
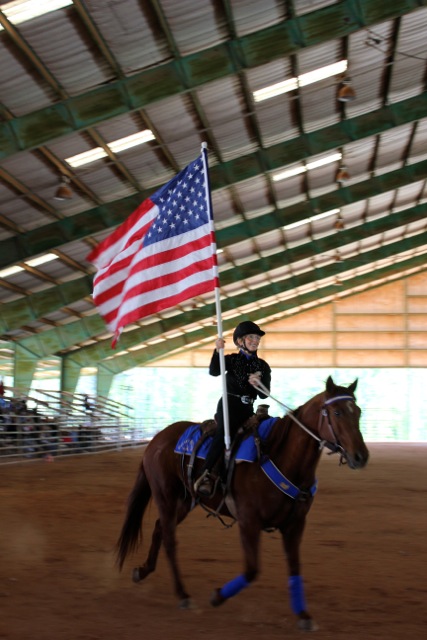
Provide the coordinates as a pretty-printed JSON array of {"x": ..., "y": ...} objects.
[{"x": 382, "y": 327}]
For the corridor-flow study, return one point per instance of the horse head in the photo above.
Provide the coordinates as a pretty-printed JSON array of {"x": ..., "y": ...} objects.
[{"x": 339, "y": 424}]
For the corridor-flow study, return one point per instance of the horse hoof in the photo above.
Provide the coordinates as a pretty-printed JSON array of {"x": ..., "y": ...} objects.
[
  {"x": 307, "y": 624},
  {"x": 216, "y": 598},
  {"x": 186, "y": 603},
  {"x": 136, "y": 576}
]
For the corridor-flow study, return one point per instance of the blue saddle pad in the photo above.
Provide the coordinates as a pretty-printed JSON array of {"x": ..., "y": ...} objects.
[{"x": 246, "y": 452}]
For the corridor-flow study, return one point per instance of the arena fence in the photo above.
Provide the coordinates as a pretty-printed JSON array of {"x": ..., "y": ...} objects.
[{"x": 49, "y": 424}]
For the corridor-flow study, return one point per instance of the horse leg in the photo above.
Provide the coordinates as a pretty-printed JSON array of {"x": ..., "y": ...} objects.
[
  {"x": 172, "y": 508},
  {"x": 249, "y": 537},
  {"x": 139, "y": 573},
  {"x": 291, "y": 541},
  {"x": 169, "y": 525}
]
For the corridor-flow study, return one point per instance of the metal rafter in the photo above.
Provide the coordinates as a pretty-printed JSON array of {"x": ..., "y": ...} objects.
[
  {"x": 310, "y": 249},
  {"x": 137, "y": 91},
  {"x": 106, "y": 216}
]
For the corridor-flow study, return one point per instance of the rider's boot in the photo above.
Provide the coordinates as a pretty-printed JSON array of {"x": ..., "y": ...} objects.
[{"x": 205, "y": 484}]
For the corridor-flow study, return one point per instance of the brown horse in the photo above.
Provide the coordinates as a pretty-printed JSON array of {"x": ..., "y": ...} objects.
[{"x": 275, "y": 492}]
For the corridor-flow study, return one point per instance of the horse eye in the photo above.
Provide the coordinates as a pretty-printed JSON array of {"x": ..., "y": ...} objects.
[{"x": 337, "y": 413}]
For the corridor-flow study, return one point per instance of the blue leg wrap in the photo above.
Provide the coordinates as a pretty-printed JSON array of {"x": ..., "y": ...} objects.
[
  {"x": 234, "y": 586},
  {"x": 296, "y": 592}
]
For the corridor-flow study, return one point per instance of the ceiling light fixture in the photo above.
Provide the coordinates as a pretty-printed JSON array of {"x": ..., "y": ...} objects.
[
  {"x": 64, "y": 192},
  {"x": 318, "y": 216},
  {"x": 346, "y": 93},
  {"x": 301, "y": 81},
  {"x": 342, "y": 174},
  {"x": 86, "y": 157},
  {"x": 116, "y": 147},
  {"x": 315, "y": 164},
  {"x": 36, "y": 262},
  {"x": 10, "y": 271},
  {"x": 131, "y": 141},
  {"x": 339, "y": 223},
  {"x": 20, "y": 11}
]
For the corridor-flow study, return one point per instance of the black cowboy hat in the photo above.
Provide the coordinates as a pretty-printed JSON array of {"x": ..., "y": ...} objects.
[{"x": 245, "y": 328}]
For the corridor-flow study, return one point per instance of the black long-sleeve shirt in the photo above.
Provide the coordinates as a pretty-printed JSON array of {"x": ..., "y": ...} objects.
[{"x": 238, "y": 366}]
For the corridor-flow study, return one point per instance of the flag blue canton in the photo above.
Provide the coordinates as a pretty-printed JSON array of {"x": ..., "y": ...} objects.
[{"x": 182, "y": 205}]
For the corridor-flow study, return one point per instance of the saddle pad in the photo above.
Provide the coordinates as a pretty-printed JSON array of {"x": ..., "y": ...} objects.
[{"x": 246, "y": 452}]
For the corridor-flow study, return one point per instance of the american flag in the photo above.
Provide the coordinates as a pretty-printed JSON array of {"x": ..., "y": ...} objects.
[{"x": 162, "y": 255}]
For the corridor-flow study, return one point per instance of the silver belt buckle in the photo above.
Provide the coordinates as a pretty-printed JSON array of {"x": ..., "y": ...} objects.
[{"x": 246, "y": 399}]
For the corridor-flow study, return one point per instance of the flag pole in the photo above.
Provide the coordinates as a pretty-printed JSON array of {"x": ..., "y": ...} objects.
[{"x": 217, "y": 305}]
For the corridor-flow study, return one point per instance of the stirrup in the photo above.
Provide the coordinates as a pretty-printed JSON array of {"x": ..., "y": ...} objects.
[{"x": 205, "y": 485}]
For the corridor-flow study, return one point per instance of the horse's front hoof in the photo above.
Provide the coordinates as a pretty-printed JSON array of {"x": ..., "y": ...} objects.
[
  {"x": 307, "y": 624},
  {"x": 216, "y": 598},
  {"x": 136, "y": 575},
  {"x": 186, "y": 603}
]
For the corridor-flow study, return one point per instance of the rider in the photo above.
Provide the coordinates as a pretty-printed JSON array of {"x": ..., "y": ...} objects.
[{"x": 243, "y": 370}]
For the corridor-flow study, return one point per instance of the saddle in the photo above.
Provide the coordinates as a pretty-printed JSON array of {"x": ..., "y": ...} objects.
[{"x": 223, "y": 470}]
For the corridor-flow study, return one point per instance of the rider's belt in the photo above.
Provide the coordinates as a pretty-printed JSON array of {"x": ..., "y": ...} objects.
[{"x": 244, "y": 399}]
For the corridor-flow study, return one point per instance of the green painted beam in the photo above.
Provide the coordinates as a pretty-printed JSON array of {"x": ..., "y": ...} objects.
[
  {"x": 32, "y": 307},
  {"x": 190, "y": 72},
  {"x": 24, "y": 367},
  {"x": 322, "y": 297},
  {"x": 87, "y": 356},
  {"x": 97, "y": 352},
  {"x": 92, "y": 221},
  {"x": 62, "y": 338},
  {"x": 335, "y": 199},
  {"x": 104, "y": 380},
  {"x": 327, "y": 244},
  {"x": 70, "y": 373}
]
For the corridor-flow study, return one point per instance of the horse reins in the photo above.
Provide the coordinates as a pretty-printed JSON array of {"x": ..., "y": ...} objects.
[{"x": 333, "y": 447}]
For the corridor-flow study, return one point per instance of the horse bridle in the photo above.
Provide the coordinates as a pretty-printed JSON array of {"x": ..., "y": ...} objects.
[
  {"x": 332, "y": 444},
  {"x": 324, "y": 443}
]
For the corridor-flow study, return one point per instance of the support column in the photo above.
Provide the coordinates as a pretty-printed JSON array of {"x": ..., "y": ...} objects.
[
  {"x": 24, "y": 366},
  {"x": 104, "y": 380},
  {"x": 70, "y": 374}
]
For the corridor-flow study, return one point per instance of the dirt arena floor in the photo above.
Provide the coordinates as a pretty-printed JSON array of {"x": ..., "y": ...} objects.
[{"x": 364, "y": 557}]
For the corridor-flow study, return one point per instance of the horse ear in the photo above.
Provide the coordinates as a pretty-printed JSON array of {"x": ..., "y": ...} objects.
[
  {"x": 330, "y": 385},
  {"x": 353, "y": 386}
]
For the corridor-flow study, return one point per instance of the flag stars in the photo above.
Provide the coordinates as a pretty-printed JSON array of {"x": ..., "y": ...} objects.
[{"x": 181, "y": 205}]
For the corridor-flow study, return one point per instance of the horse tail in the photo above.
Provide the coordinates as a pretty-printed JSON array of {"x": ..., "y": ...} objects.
[{"x": 131, "y": 534}]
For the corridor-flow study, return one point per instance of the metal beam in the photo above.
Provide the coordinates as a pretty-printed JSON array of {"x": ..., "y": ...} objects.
[
  {"x": 32, "y": 307},
  {"x": 95, "y": 353},
  {"x": 61, "y": 338},
  {"x": 100, "y": 218},
  {"x": 321, "y": 297},
  {"x": 189, "y": 72}
]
